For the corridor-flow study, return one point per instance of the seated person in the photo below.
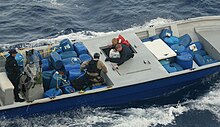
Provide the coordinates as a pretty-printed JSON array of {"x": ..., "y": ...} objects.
[
  {"x": 125, "y": 54},
  {"x": 94, "y": 68},
  {"x": 119, "y": 40}
]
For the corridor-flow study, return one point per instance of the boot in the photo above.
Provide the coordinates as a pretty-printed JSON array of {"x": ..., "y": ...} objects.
[{"x": 19, "y": 100}]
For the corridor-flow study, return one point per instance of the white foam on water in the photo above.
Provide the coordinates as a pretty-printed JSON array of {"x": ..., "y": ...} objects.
[
  {"x": 157, "y": 22},
  {"x": 80, "y": 36},
  {"x": 131, "y": 117},
  {"x": 138, "y": 117},
  {"x": 210, "y": 101},
  {"x": 52, "y": 2}
]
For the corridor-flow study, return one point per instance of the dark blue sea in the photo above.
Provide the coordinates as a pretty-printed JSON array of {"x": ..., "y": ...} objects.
[{"x": 36, "y": 22}]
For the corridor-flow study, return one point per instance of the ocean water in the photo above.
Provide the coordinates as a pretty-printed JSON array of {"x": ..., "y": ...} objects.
[{"x": 37, "y": 22}]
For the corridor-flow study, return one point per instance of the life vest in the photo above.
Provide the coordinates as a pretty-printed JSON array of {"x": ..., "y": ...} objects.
[
  {"x": 92, "y": 67},
  {"x": 121, "y": 40}
]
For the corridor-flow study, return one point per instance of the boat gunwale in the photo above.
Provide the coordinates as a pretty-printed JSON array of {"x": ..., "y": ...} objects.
[{"x": 98, "y": 90}]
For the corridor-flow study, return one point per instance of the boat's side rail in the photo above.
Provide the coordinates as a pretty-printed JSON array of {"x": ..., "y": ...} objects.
[{"x": 6, "y": 90}]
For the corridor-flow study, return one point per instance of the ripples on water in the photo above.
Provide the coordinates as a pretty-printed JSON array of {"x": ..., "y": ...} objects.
[
  {"x": 26, "y": 20},
  {"x": 45, "y": 21}
]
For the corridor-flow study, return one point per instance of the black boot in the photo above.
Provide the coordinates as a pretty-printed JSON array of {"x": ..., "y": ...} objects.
[{"x": 19, "y": 100}]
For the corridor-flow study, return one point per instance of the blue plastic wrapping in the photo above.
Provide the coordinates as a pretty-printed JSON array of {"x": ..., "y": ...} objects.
[
  {"x": 20, "y": 59},
  {"x": 68, "y": 54},
  {"x": 165, "y": 33},
  {"x": 71, "y": 60},
  {"x": 47, "y": 76},
  {"x": 75, "y": 73},
  {"x": 185, "y": 60},
  {"x": 178, "y": 48},
  {"x": 85, "y": 57},
  {"x": 66, "y": 45},
  {"x": 171, "y": 40},
  {"x": 55, "y": 60},
  {"x": 185, "y": 40},
  {"x": 53, "y": 92},
  {"x": 80, "y": 48}
]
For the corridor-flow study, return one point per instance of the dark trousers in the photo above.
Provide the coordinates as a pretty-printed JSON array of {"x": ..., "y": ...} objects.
[
  {"x": 115, "y": 60},
  {"x": 15, "y": 81}
]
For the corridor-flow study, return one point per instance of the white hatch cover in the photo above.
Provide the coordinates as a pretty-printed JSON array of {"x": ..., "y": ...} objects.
[{"x": 160, "y": 49}]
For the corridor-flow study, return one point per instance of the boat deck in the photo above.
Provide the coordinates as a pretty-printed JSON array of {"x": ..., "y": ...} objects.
[{"x": 143, "y": 67}]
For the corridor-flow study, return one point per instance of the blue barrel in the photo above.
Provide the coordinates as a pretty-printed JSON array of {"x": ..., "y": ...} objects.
[
  {"x": 177, "y": 66},
  {"x": 72, "y": 66},
  {"x": 37, "y": 53},
  {"x": 178, "y": 48},
  {"x": 68, "y": 54},
  {"x": 185, "y": 40},
  {"x": 55, "y": 60},
  {"x": 47, "y": 76},
  {"x": 66, "y": 45},
  {"x": 201, "y": 52},
  {"x": 165, "y": 33},
  {"x": 80, "y": 48},
  {"x": 208, "y": 59},
  {"x": 169, "y": 68},
  {"x": 85, "y": 57},
  {"x": 51, "y": 93},
  {"x": 56, "y": 80},
  {"x": 45, "y": 65},
  {"x": 75, "y": 73},
  {"x": 171, "y": 40},
  {"x": 185, "y": 60},
  {"x": 71, "y": 60},
  {"x": 20, "y": 59}
]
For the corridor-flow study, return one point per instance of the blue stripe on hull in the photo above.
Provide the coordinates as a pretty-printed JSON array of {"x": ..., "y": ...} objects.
[{"x": 114, "y": 96}]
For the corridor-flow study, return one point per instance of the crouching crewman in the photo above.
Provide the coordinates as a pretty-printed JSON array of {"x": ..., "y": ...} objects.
[{"x": 94, "y": 68}]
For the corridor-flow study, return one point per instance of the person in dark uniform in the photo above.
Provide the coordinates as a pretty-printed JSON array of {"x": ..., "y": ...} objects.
[
  {"x": 94, "y": 68},
  {"x": 12, "y": 70},
  {"x": 125, "y": 54}
]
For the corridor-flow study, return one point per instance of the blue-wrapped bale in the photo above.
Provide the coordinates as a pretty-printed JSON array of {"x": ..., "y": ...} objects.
[
  {"x": 71, "y": 60},
  {"x": 185, "y": 60},
  {"x": 47, "y": 76},
  {"x": 55, "y": 60},
  {"x": 51, "y": 93},
  {"x": 85, "y": 57},
  {"x": 66, "y": 45},
  {"x": 80, "y": 48},
  {"x": 68, "y": 54}
]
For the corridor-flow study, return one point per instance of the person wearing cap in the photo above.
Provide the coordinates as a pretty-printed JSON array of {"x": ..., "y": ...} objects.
[
  {"x": 125, "y": 54},
  {"x": 12, "y": 70},
  {"x": 94, "y": 68}
]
